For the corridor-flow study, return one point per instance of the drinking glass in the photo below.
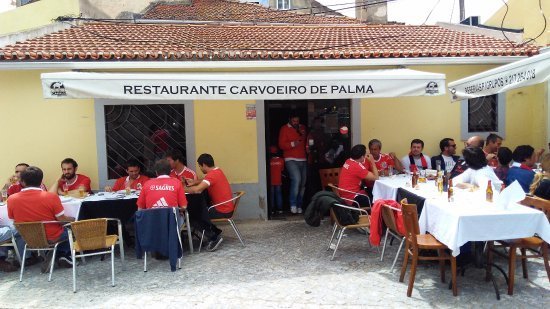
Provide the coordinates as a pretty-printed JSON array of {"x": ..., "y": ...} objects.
[
  {"x": 4, "y": 196},
  {"x": 390, "y": 170},
  {"x": 438, "y": 165},
  {"x": 65, "y": 189},
  {"x": 108, "y": 189},
  {"x": 81, "y": 190},
  {"x": 538, "y": 169},
  {"x": 14, "y": 179},
  {"x": 139, "y": 186}
]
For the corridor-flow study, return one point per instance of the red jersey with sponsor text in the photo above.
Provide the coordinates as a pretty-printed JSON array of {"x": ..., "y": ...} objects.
[
  {"x": 162, "y": 191},
  {"x": 219, "y": 190},
  {"x": 187, "y": 173},
  {"x": 120, "y": 183},
  {"x": 351, "y": 175},
  {"x": 81, "y": 180}
]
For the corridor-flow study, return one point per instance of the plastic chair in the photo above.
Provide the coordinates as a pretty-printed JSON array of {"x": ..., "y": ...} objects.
[
  {"x": 329, "y": 175},
  {"x": 414, "y": 241},
  {"x": 362, "y": 223},
  {"x": 91, "y": 235},
  {"x": 524, "y": 244},
  {"x": 391, "y": 229},
  {"x": 34, "y": 235},
  {"x": 11, "y": 243}
]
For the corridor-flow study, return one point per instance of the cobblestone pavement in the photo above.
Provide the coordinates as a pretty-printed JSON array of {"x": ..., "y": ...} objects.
[{"x": 285, "y": 264}]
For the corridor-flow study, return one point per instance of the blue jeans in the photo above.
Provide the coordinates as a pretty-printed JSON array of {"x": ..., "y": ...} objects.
[
  {"x": 297, "y": 171},
  {"x": 5, "y": 234},
  {"x": 276, "y": 196}
]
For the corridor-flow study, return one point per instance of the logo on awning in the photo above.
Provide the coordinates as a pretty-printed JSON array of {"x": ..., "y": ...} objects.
[
  {"x": 432, "y": 88},
  {"x": 58, "y": 89}
]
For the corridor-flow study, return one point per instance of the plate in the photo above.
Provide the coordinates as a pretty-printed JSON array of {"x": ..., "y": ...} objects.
[
  {"x": 65, "y": 199},
  {"x": 2, "y": 203}
]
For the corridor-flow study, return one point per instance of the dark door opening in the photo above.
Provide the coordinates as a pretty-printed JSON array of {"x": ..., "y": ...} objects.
[{"x": 328, "y": 141}]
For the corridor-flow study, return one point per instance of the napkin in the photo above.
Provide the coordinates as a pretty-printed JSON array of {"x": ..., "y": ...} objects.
[{"x": 512, "y": 194}]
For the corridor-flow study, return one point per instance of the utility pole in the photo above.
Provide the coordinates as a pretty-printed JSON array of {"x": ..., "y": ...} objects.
[{"x": 462, "y": 10}]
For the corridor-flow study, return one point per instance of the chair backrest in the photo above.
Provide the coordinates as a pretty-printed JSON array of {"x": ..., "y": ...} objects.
[
  {"x": 410, "y": 219},
  {"x": 90, "y": 234},
  {"x": 329, "y": 175},
  {"x": 238, "y": 196},
  {"x": 538, "y": 203},
  {"x": 33, "y": 233},
  {"x": 334, "y": 188},
  {"x": 389, "y": 219}
]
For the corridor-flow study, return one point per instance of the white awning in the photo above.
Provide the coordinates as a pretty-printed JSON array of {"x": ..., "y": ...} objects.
[
  {"x": 243, "y": 85},
  {"x": 522, "y": 73}
]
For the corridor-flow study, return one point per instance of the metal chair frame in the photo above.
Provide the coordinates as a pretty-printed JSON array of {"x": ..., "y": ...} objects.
[
  {"x": 342, "y": 227},
  {"x": 175, "y": 211},
  {"x": 187, "y": 226},
  {"x": 393, "y": 234},
  {"x": 230, "y": 220},
  {"x": 334, "y": 187}
]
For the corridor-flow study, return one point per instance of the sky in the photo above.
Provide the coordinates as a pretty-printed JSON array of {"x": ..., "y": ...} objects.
[{"x": 415, "y": 12}]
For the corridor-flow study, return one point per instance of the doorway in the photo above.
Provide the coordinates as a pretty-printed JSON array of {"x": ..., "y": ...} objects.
[{"x": 329, "y": 134}]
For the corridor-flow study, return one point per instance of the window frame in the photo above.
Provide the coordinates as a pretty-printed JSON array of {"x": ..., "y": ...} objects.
[
  {"x": 501, "y": 119},
  {"x": 288, "y": 2}
]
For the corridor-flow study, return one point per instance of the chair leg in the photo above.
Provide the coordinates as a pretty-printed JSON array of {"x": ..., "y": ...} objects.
[
  {"x": 524, "y": 263},
  {"x": 412, "y": 275},
  {"x": 453, "y": 275},
  {"x": 189, "y": 236},
  {"x": 397, "y": 254},
  {"x": 544, "y": 252},
  {"x": 53, "y": 262},
  {"x": 489, "y": 260},
  {"x": 237, "y": 231},
  {"x": 405, "y": 262},
  {"x": 17, "y": 254},
  {"x": 441, "y": 265},
  {"x": 83, "y": 258},
  {"x": 145, "y": 261},
  {"x": 121, "y": 245},
  {"x": 202, "y": 238},
  {"x": 511, "y": 269},
  {"x": 338, "y": 242},
  {"x": 332, "y": 237},
  {"x": 385, "y": 243},
  {"x": 23, "y": 264},
  {"x": 73, "y": 258},
  {"x": 112, "y": 265}
]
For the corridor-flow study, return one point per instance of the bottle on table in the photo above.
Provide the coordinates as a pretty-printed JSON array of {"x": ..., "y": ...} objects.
[
  {"x": 450, "y": 190},
  {"x": 414, "y": 179},
  {"x": 445, "y": 181},
  {"x": 489, "y": 192},
  {"x": 439, "y": 182}
]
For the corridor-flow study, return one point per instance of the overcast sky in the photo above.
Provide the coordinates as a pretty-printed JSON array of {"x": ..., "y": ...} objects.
[{"x": 415, "y": 12}]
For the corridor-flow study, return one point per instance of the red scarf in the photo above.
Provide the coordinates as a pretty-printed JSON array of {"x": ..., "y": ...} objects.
[
  {"x": 422, "y": 160},
  {"x": 525, "y": 167}
]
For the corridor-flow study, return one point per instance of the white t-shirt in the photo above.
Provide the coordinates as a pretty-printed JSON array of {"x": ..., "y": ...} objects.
[
  {"x": 479, "y": 177},
  {"x": 448, "y": 163},
  {"x": 407, "y": 163}
]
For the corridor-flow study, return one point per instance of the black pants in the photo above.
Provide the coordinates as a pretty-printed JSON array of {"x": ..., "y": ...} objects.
[{"x": 198, "y": 215}]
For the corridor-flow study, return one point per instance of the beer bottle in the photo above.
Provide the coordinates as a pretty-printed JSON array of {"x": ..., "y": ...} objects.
[
  {"x": 445, "y": 181},
  {"x": 414, "y": 179},
  {"x": 450, "y": 190},
  {"x": 489, "y": 192}
]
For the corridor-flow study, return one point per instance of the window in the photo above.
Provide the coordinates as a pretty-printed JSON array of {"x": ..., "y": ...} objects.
[
  {"x": 143, "y": 132},
  {"x": 283, "y": 4},
  {"x": 483, "y": 115}
]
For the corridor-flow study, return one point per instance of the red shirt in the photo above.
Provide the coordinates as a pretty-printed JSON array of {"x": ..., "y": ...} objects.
[
  {"x": 219, "y": 190},
  {"x": 160, "y": 138},
  {"x": 351, "y": 175},
  {"x": 187, "y": 173},
  {"x": 162, "y": 191},
  {"x": 33, "y": 204},
  {"x": 384, "y": 162},
  {"x": 81, "y": 180},
  {"x": 120, "y": 183},
  {"x": 287, "y": 138},
  {"x": 277, "y": 165},
  {"x": 15, "y": 188}
]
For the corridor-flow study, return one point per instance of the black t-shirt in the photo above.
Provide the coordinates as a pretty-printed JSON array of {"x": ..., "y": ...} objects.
[{"x": 543, "y": 190}]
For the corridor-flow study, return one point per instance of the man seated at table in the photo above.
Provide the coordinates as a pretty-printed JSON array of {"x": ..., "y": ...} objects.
[
  {"x": 70, "y": 180},
  {"x": 475, "y": 141},
  {"x": 353, "y": 172},
  {"x": 382, "y": 160},
  {"x": 526, "y": 157},
  {"x": 163, "y": 191},
  {"x": 447, "y": 159},
  {"x": 461, "y": 165},
  {"x": 478, "y": 173},
  {"x": 179, "y": 170},
  {"x": 34, "y": 204},
  {"x": 219, "y": 191},
  {"x": 416, "y": 157},
  {"x": 13, "y": 185},
  {"x": 133, "y": 168},
  {"x": 492, "y": 144}
]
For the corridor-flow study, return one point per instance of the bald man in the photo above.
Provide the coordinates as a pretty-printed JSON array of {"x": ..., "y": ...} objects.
[{"x": 475, "y": 141}]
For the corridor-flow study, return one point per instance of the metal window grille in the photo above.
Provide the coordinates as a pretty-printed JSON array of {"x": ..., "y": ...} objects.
[
  {"x": 483, "y": 114},
  {"x": 142, "y": 132}
]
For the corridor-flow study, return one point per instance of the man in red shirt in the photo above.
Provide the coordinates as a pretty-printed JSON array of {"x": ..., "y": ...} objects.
[
  {"x": 70, "y": 180},
  {"x": 33, "y": 204},
  {"x": 292, "y": 138},
  {"x": 354, "y": 172},
  {"x": 134, "y": 179},
  {"x": 492, "y": 144},
  {"x": 218, "y": 190},
  {"x": 163, "y": 191},
  {"x": 179, "y": 170},
  {"x": 14, "y": 185}
]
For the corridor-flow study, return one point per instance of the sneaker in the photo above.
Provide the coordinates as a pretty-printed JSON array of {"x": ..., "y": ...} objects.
[
  {"x": 332, "y": 246},
  {"x": 45, "y": 267},
  {"x": 299, "y": 210},
  {"x": 293, "y": 209},
  {"x": 214, "y": 244},
  {"x": 7, "y": 267},
  {"x": 64, "y": 262}
]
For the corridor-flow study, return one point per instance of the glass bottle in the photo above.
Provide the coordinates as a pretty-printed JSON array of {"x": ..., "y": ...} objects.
[
  {"x": 450, "y": 190},
  {"x": 489, "y": 192}
]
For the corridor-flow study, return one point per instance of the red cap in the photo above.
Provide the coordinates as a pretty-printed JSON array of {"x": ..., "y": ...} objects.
[{"x": 273, "y": 149}]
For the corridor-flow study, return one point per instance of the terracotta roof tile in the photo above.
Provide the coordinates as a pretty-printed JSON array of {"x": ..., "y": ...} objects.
[
  {"x": 222, "y": 10},
  {"x": 183, "y": 42}
]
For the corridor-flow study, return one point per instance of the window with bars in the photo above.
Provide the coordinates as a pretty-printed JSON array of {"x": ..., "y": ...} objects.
[
  {"x": 142, "y": 132},
  {"x": 483, "y": 115}
]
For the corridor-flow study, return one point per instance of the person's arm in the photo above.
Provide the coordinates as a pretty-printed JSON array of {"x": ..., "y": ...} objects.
[
  {"x": 373, "y": 175},
  {"x": 285, "y": 143},
  {"x": 396, "y": 162},
  {"x": 405, "y": 162},
  {"x": 119, "y": 184},
  {"x": 182, "y": 200},
  {"x": 198, "y": 188},
  {"x": 65, "y": 218},
  {"x": 55, "y": 187}
]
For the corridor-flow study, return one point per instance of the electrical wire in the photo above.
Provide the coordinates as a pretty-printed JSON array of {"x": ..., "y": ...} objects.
[
  {"x": 452, "y": 12},
  {"x": 543, "y": 30},
  {"x": 502, "y": 25},
  {"x": 431, "y": 12}
]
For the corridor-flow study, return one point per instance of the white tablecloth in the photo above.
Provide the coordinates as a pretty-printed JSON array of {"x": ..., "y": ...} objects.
[{"x": 469, "y": 217}]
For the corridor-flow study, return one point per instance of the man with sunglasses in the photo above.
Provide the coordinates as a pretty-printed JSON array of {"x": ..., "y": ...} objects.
[{"x": 447, "y": 159}]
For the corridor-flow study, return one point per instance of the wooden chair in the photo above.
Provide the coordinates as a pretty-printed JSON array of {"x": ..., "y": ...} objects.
[
  {"x": 34, "y": 235},
  {"x": 329, "y": 175},
  {"x": 414, "y": 241},
  {"x": 362, "y": 223},
  {"x": 524, "y": 244},
  {"x": 91, "y": 235},
  {"x": 391, "y": 229},
  {"x": 235, "y": 201}
]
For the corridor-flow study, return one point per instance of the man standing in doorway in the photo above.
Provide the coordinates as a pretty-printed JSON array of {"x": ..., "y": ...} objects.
[{"x": 292, "y": 138}]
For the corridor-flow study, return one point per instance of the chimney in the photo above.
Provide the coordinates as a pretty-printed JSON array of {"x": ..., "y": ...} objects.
[{"x": 371, "y": 11}]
